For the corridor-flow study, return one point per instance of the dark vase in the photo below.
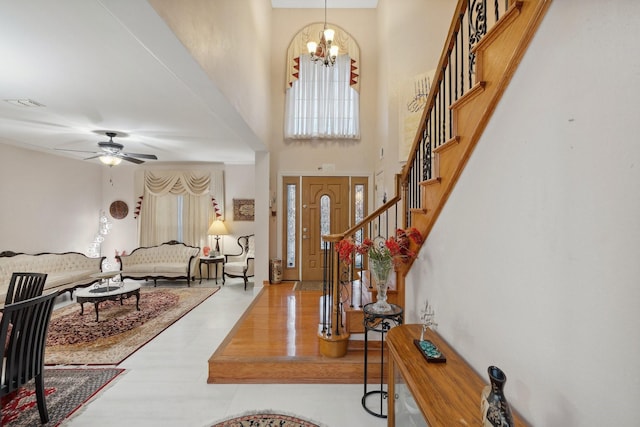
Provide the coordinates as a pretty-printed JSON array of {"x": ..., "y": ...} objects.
[{"x": 495, "y": 408}]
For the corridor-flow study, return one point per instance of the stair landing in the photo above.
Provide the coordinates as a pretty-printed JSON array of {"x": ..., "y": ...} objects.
[{"x": 276, "y": 341}]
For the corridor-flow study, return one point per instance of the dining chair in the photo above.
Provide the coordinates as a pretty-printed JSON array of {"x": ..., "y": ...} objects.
[
  {"x": 25, "y": 286},
  {"x": 23, "y": 334}
]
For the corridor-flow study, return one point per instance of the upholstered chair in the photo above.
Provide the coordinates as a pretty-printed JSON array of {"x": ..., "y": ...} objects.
[{"x": 241, "y": 264}]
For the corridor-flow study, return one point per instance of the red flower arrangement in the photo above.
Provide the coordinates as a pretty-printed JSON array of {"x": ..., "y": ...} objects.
[{"x": 395, "y": 249}]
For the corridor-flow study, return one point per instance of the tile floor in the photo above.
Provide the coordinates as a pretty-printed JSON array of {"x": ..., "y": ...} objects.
[{"x": 165, "y": 383}]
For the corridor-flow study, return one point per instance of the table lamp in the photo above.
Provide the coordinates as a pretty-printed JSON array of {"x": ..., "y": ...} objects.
[{"x": 217, "y": 229}]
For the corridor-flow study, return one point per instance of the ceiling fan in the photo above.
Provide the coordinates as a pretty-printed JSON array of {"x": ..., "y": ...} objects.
[{"x": 111, "y": 153}]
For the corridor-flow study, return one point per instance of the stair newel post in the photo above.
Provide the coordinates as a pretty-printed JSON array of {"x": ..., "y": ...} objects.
[
  {"x": 334, "y": 338},
  {"x": 403, "y": 189}
]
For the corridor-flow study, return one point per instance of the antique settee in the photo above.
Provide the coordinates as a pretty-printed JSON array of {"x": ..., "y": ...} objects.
[
  {"x": 171, "y": 260},
  {"x": 65, "y": 271}
]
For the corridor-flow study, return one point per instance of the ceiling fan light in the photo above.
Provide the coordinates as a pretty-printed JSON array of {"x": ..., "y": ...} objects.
[{"x": 110, "y": 160}]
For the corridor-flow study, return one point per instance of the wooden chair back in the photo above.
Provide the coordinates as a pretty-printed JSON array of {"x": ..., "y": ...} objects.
[
  {"x": 25, "y": 286},
  {"x": 23, "y": 334}
]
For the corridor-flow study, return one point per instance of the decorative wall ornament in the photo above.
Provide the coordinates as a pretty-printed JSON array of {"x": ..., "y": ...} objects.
[
  {"x": 119, "y": 209},
  {"x": 216, "y": 208},
  {"x": 414, "y": 98},
  {"x": 95, "y": 248},
  {"x": 243, "y": 209},
  {"x": 136, "y": 213}
]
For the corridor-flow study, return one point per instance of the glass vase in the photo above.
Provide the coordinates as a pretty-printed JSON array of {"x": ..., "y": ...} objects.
[{"x": 380, "y": 270}]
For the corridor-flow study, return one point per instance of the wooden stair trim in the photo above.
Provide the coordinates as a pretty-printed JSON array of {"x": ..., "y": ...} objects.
[
  {"x": 504, "y": 21},
  {"x": 508, "y": 43},
  {"x": 432, "y": 181},
  {"x": 479, "y": 103},
  {"x": 471, "y": 94},
  {"x": 445, "y": 146}
]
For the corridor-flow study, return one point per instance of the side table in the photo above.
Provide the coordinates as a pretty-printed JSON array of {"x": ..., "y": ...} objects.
[
  {"x": 208, "y": 261},
  {"x": 381, "y": 323}
]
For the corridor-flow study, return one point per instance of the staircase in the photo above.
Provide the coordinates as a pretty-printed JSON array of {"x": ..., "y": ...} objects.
[{"x": 486, "y": 41}]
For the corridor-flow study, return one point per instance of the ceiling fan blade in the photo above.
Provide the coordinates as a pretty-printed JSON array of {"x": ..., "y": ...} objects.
[
  {"x": 130, "y": 159},
  {"x": 142, "y": 156},
  {"x": 76, "y": 151},
  {"x": 93, "y": 157}
]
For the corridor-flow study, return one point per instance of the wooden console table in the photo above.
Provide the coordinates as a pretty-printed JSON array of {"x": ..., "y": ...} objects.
[{"x": 440, "y": 394}]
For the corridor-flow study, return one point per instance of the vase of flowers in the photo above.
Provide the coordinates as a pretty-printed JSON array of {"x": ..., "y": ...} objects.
[
  {"x": 383, "y": 255},
  {"x": 380, "y": 270}
]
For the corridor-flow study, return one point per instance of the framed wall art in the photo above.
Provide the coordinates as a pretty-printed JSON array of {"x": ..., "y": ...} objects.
[{"x": 243, "y": 209}]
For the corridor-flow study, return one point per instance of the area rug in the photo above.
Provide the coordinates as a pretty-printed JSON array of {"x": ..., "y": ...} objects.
[
  {"x": 308, "y": 286},
  {"x": 265, "y": 419},
  {"x": 76, "y": 339},
  {"x": 66, "y": 390}
]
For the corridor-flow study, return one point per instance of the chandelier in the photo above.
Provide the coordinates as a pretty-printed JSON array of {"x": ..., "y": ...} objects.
[{"x": 324, "y": 51}]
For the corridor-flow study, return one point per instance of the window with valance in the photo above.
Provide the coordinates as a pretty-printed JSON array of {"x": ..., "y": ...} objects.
[
  {"x": 322, "y": 102},
  {"x": 177, "y": 205}
]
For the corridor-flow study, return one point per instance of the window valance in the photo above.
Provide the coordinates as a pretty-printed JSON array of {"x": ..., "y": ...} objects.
[
  {"x": 342, "y": 39},
  {"x": 159, "y": 183}
]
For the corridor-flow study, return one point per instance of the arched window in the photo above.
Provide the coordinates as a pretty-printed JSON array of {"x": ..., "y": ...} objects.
[{"x": 321, "y": 101}]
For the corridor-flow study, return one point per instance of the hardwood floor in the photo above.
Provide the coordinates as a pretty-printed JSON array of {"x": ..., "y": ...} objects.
[{"x": 276, "y": 341}]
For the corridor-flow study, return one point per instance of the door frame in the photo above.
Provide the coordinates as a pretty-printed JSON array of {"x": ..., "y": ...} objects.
[{"x": 280, "y": 211}]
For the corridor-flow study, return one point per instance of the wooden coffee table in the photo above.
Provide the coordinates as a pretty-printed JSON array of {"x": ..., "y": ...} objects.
[{"x": 107, "y": 292}]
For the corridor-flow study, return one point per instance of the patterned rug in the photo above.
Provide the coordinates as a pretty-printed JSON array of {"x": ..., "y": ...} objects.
[
  {"x": 66, "y": 390},
  {"x": 265, "y": 419},
  {"x": 76, "y": 339}
]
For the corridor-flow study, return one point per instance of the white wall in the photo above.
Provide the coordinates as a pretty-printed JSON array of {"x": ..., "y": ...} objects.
[
  {"x": 533, "y": 263},
  {"x": 239, "y": 183},
  {"x": 118, "y": 184},
  {"x": 49, "y": 203},
  {"x": 410, "y": 40},
  {"x": 230, "y": 40}
]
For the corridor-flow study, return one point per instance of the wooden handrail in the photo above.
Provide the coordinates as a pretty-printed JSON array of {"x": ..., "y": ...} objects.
[{"x": 454, "y": 28}]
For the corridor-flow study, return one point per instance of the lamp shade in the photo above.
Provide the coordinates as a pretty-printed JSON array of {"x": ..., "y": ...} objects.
[
  {"x": 312, "y": 46},
  {"x": 217, "y": 228},
  {"x": 328, "y": 35}
]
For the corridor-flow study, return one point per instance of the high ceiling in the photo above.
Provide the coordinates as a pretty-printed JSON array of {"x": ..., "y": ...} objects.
[
  {"x": 337, "y": 4},
  {"x": 110, "y": 65},
  {"x": 114, "y": 65}
]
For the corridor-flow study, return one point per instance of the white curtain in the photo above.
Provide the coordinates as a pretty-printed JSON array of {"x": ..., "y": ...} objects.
[
  {"x": 175, "y": 206},
  {"x": 321, "y": 103}
]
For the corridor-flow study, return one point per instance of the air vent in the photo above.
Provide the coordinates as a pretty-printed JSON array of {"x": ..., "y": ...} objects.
[{"x": 24, "y": 102}]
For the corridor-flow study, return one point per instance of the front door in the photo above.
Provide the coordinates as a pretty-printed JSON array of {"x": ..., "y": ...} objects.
[{"x": 325, "y": 210}]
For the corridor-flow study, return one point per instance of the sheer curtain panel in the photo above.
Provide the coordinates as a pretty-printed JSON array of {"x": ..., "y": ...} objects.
[
  {"x": 175, "y": 206},
  {"x": 321, "y": 103}
]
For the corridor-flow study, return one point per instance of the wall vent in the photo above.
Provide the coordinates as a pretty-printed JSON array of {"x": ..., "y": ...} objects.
[{"x": 24, "y": 102}]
